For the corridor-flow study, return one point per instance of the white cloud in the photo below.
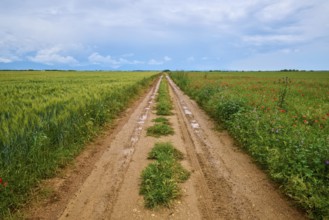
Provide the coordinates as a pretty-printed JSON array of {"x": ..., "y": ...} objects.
[
  {"x": 278, "y": 10},
  {"x": 96, "y": 58},
  {"x": 190, "y": 59},
  {"x": 292, "y": 20},
  {"x": 159, "y": 62},
  {"x": 166, "y": 58},
  {"x": 308, "y": 57},
  {"x": 271, "y": 39},
  {"x": 155, "y": 62},
  {"x": 51, "y": 56},
  {"x": 289, "y": 50},
  {"x": 5, "y": 60}
]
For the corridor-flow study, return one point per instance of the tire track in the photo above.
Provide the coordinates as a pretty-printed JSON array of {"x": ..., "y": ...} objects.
[
  {"x": 226, "y": 191},
  {"x": 97, "y": 195},
  {"x": 206, "y": 205}
]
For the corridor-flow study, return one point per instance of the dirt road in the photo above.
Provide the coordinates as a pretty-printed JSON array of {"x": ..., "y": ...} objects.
[{"x": 224, "y": 183}]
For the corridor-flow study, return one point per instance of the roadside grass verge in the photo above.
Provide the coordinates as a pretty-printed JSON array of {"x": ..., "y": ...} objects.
[
  {"x": 161, "y": 127},
  {"x": 280, "y": 118},
  {"x": 47, "y": 118},
  {"x": 160, "y": 179}
]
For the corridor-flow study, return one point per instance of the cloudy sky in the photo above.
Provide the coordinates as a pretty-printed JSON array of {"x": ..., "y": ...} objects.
[{"x": 164, "y": 34}]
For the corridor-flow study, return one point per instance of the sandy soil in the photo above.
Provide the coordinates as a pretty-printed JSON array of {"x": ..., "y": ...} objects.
[{"x": 104, "y": 183}]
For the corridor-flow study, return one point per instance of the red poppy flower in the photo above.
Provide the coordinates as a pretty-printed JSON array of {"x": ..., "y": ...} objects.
[{"x": 0, "y": 180}]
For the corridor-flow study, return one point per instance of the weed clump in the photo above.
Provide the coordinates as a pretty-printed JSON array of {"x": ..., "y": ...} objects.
[
  {"x": 160, "y": 128},
  {"x": 160, "y": 180},
  {"x": 163, "y": 150}
]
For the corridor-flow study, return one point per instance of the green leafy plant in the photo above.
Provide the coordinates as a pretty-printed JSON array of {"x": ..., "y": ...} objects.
[
  {"x": 285, "y": 82},
  {"x": 226, "y": 109}
]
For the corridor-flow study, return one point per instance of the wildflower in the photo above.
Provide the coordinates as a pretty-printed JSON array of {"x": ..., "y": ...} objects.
[
  {"x": 305, "y": 122},
  {"x": 282, "y": 110},
  {"x": 326, "y": 162},
  {"x": 0, "y": 180}
]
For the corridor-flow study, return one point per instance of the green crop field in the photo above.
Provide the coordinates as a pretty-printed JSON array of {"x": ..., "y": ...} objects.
[
  {"x": 280, "y": 118},
  {"x": 46, "y": 117}
]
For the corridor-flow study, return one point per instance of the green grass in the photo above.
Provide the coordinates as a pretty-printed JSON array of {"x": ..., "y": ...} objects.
[
  {"x": 47, "y": 117},
  {"x": 162, "y": 151},
  {"x": 161, "y": 127},
  {"x": 162, "y": 120},
  {"x": 160, "y": 179},
  {"x": 164, "y": 104},
  {"x": 280, "y": 118}
]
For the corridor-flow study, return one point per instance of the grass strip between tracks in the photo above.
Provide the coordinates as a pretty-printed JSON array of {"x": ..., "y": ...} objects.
[
  {"x": 164, "y": 104},
  {"x": 160, "y": 128},
  {"x": 160, "y": 179}
]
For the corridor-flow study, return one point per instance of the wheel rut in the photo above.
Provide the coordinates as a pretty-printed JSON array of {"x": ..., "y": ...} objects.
[
  {"x": 215, "y": 193},
  {"x": 99, "y": 192},
  {"x": 233, "y": 186}
]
